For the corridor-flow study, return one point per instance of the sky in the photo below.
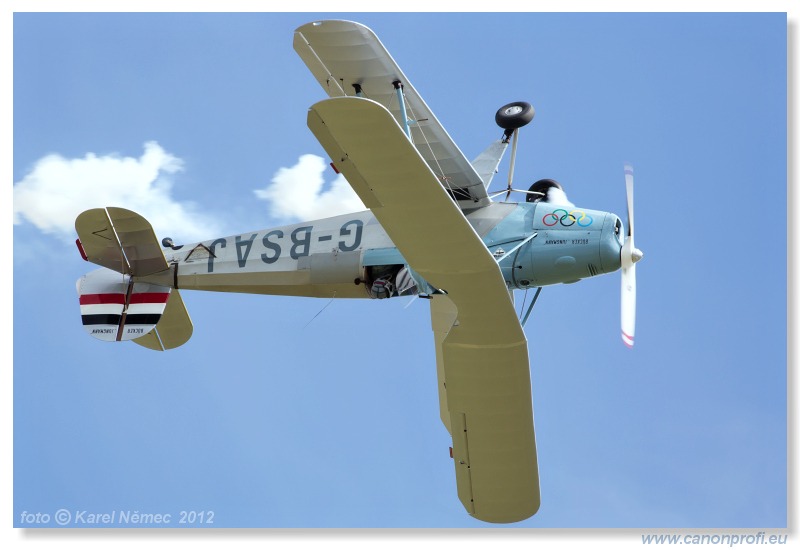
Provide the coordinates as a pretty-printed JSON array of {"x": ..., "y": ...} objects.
[{"x": 296, "y": 412}]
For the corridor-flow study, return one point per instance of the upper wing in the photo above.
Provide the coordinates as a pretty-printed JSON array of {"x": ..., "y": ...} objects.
[
  {"x": 341, "y": 54},
  {"x": 480, "y": 342}
]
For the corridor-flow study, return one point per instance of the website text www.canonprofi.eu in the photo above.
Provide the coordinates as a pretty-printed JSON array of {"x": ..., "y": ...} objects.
[{"x": 727, "y": 539}]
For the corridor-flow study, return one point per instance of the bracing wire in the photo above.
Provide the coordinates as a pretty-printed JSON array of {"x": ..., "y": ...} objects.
[
  {"x": 323, "y": 309},
  {"x": 524, "y": 298}
]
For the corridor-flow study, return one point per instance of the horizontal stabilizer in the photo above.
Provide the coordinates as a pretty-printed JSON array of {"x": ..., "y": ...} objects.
[
  {"x": 120, "y": 240},
  {"x": 173, "y": 330}
]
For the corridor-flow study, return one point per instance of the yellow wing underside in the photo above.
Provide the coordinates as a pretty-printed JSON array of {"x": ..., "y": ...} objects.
[{"x": 482, "y": 353}]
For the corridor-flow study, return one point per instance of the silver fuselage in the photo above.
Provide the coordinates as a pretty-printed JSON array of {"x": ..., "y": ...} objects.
[{"x": 335, "y": 256}]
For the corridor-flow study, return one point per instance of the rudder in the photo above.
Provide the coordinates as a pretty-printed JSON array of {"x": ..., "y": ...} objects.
[{"x": 115, "y": 308}]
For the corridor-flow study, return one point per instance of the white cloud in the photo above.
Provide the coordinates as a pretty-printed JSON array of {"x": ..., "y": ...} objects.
[
  {"x": 297, "y": 193},
  {"x": 57, "y": 189}
]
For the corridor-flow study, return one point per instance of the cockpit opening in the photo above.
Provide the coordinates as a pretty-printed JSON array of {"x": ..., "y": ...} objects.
[{"x": 386, "y": 281}]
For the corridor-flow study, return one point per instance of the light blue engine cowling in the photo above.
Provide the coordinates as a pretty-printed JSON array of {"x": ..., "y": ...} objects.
[{"x": 570, "y": 244}]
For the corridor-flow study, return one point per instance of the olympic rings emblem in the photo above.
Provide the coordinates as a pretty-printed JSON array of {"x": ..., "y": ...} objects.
[{"x": 567, "y": 218}]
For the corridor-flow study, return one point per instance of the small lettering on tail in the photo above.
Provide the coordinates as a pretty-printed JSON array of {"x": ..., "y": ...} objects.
[{"x": 113, "y": 308}]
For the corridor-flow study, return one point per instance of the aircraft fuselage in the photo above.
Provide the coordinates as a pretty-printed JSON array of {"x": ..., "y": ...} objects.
[{"x": 343, "y": 255}]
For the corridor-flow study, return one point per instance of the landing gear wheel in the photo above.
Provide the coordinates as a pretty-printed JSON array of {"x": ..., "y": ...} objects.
[{"x": 514, "y": 115}]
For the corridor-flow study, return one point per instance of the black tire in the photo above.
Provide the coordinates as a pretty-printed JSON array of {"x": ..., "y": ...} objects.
[{"x": 514, "y": 115}]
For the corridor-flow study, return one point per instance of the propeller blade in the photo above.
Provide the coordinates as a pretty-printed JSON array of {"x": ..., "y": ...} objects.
[
  {"x": 628, "y": 305},
  {"x": 629, "y": 193},
  {"x": 629, "y": 255}
]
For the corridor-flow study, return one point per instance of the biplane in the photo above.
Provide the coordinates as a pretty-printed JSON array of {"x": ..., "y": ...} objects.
[{"x": 432, "y": 230}]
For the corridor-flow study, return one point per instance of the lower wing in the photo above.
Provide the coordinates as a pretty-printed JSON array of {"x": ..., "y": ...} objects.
[{"x": 482, "y": 352}]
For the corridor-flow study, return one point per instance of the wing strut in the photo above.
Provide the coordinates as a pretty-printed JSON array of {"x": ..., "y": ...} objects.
[
  {"x": 513, "y": 158},
  {"x": 398, "y": 86},
  {"x": 507, "y": 254},
  {"x": 530, "y": 307}
]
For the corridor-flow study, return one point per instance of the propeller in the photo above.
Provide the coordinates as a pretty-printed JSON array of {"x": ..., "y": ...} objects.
[{"x": 629, "y": 255}]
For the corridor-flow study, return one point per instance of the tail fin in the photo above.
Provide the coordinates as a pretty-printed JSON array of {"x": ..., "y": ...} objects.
[{"x": 122, "y": 304}]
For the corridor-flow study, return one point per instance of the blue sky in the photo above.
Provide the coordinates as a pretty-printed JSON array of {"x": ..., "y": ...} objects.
[{"x": 270, "y": 419}]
